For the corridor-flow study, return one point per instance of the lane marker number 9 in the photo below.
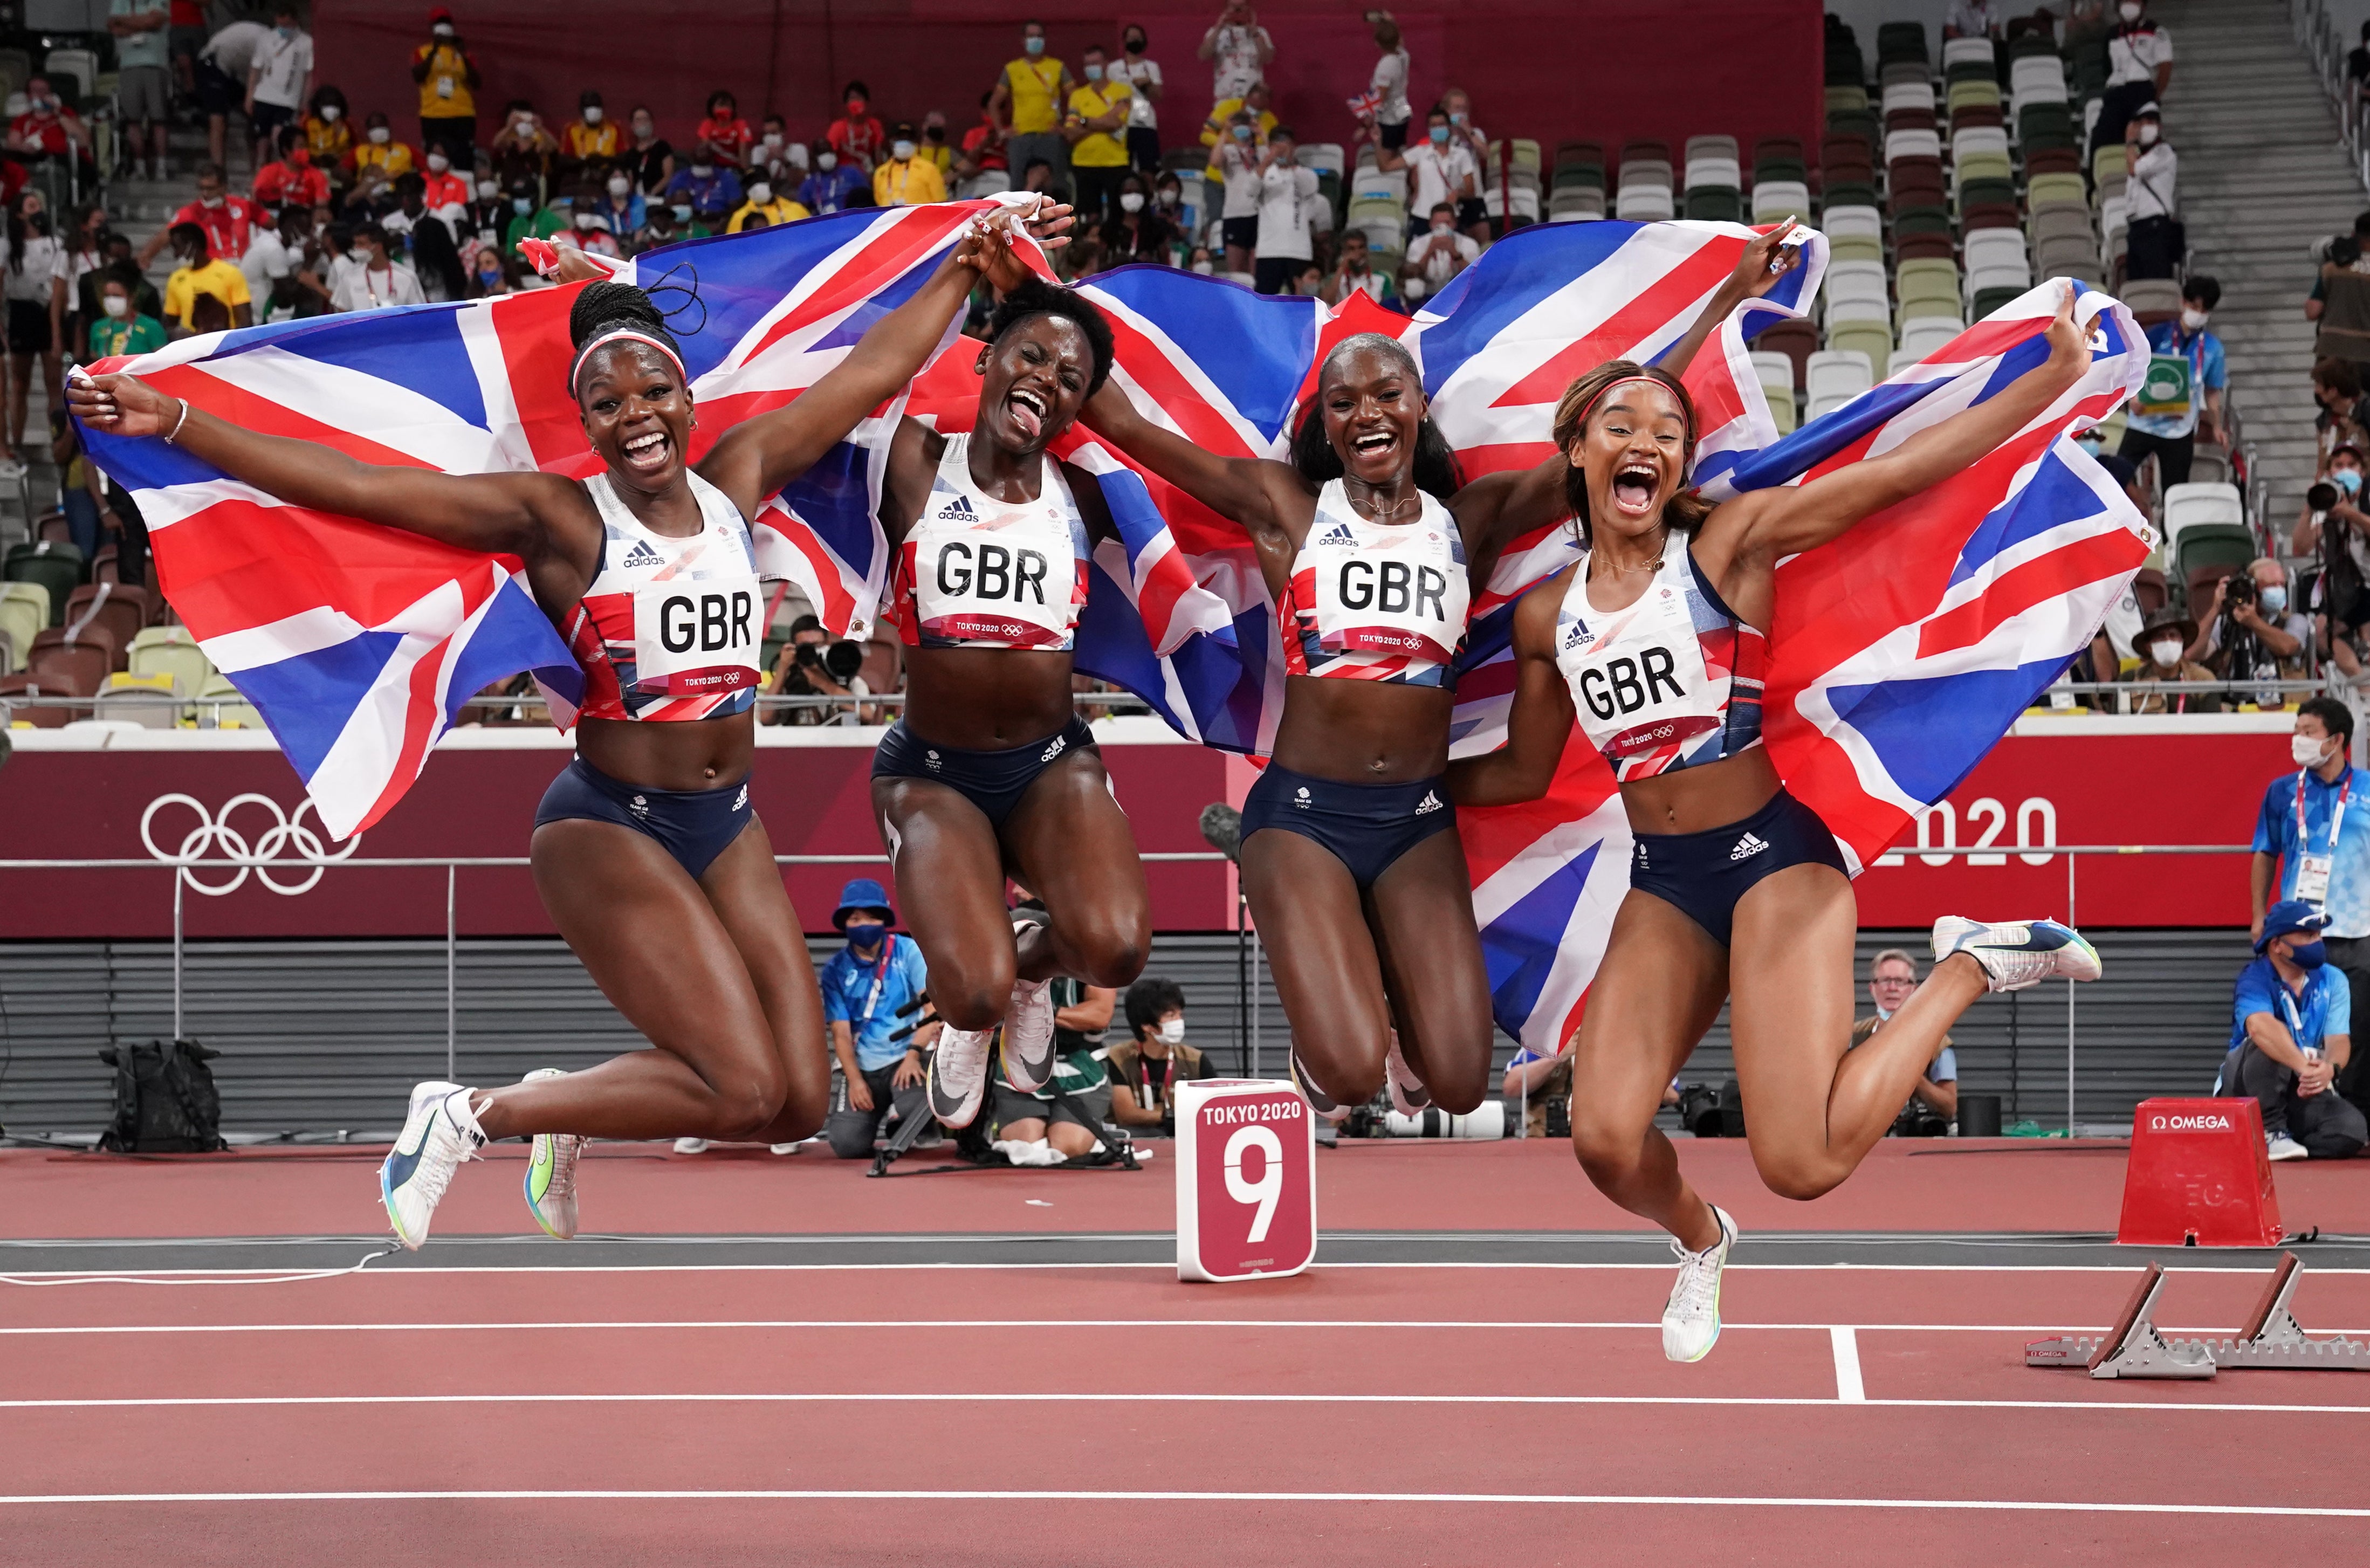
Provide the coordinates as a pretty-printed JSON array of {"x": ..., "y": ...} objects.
[{"x": 1269, "y": 1187}]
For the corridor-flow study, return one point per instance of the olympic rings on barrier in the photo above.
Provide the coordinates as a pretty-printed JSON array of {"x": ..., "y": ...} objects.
[{"x": 213, "y": 839}]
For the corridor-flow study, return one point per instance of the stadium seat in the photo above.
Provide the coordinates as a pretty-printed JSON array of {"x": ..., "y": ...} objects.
[
  {"x": 1996, "y": 247},
  {"x": 54, "y": 526},
  {"x": 1839, "y": 374},
  {"x": 1644, "y": 203},
  {"x": 1837, "y": 221},
  {"x": 75, "y": 664},
  {"x": 110, "y": 606},
  {"x": 1714, "y": 171},
  {"x": 1646, "y": 149},
  {"x": 1781, "y": 407},
  {"x": 1900, "y": 145},
  {"x": 145, "y": 700},
  {"x": 2147, "y": 587},
  {"x": 2152, "y": 299},
  {"x": 172, "y": 650},
  {"x": 1645, "y": 171},
  {"x": 222, "y": 706},
  {"x": 1872, "y": 340},
  {"x": 2205, "y": 554},
  {"x": 1986, "y": 301},
  {"x": 24, "y": 612},
  {"x": 1917, "y": 95},
  {"x": 1773, "y": 369},
  {"x": 1927, "y": 334},
  {"x": 23, "y": 685},
  {"x": 1716, "y": 204},
  {"x": 1776, "y": 199},
  {"x": 1968, "y": 51},
  {"x": 2196, "y": 505},
  {"x": 1576, "y": 203},
  {"x": 1798, "y": 341},
  {"x": 57, "y": 567}
]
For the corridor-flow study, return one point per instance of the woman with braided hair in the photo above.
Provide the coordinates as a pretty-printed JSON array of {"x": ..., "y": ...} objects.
[{"x": 645, "y": 851}]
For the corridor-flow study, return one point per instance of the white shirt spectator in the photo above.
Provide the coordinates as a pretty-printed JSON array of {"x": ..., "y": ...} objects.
[
  {"x": 1286, "y": 208},
  {"x": 1972, "y": 18},
  {"x": 282, "y": 63},
  {"x": 2152, "y": 190},
  {"x": 372, "y": 288},
  {"x": 232, "y": 49},
  {"x": 1239, "y": 168},
  {"x": 267, "y": 257},
  {"x": 1437, "y": 255},
  {"x": 1139, "y": 72},
  {"x": 1235, "y": 56},
  {"x": 2296, "y": 625},
  {"x": 31, "y": 274},
  {"x": 1437, "y": 175},
  {"x": 2134, "y": 52},
  {"x": 1390, "y": 85}
]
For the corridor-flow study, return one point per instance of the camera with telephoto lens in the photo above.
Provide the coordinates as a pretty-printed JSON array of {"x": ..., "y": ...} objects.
[{"x": 2238, "y": 588}]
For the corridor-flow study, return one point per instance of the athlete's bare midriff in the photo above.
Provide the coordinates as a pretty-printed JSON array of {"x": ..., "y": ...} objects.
[
  {"x": 1364, "y": 731},
  {"x": 1696, "y": 800},
  {"x": 986, "y": 699},
  {"x": 683, "y": 754}
]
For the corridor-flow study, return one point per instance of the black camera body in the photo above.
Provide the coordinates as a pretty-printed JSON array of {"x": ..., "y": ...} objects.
[{"x": 2238, "y": 588}]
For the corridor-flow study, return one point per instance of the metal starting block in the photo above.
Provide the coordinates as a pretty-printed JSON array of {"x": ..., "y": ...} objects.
[{"x": 2271, "y": 1337}]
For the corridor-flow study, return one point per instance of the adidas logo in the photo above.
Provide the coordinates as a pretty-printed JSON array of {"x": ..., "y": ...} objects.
[
  {"x": 1577, "y": 635},
  {"x": 1340, "y": 535},
  {"x": 741, "y": 798},
  {"x": 1060, "y": 744},
  {"x": 1747, "y": 848},
  {"x": 1431, "y": 802},
  {"x": 958, "y": 508},
  {"x": 643, "y": 555}
]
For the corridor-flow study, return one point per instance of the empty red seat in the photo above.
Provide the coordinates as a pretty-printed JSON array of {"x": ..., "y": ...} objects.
[
  {"x": 2147, "y": 587},
  {"x": 77, "y": 665},
  {"x": 122, "y": 611},
  {"x": 39, "y": 716}
]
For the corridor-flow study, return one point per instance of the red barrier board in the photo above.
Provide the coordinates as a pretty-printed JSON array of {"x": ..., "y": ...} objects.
[
  {"x": 2198, "y": 1172},
  {"x": 1246, "y": 1180}
]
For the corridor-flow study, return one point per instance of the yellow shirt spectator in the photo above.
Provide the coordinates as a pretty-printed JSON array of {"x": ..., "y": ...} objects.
[
  {"x": 585, "y": 142},
  {"x": 331, "y": 139},
  {"x": 445, "y": 91},
  {"x": 1032, "y": 84},
  {"x": 219, "y": 277},
  {"x": 778, "y": 212},
  {"x": 1216, "y": 126},
  {"x": 908, "y": 182},
  {"x": 1100, "y": 149},
  {"x": 393, "y": 158}
]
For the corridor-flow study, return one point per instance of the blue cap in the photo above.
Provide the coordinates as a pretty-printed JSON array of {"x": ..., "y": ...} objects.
[
  {"x": 2288, "y": 916},
  {"x": 862, "y": 892}
]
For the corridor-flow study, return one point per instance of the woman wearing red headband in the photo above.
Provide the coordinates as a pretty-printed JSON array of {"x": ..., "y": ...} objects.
[
  {"x": 1372, "y": 551},
  {"x": 646, "y": 851},
  {"x": 1650, "y": 643}
]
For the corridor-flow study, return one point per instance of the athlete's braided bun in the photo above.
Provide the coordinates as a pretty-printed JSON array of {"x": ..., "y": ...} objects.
[{"x": 607, "y": 311}]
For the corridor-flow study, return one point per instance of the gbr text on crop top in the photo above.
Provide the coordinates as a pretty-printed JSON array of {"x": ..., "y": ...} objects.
[
  {"x": 670, "y": 627},
  {"x": 1670, "y": 680},
  {"x": 1374, "y": 601},
  {"x": 979, "y": 572}
]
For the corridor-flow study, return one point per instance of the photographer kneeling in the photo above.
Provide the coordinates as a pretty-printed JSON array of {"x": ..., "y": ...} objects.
[
  {"x": 811, "y": 664},
  {"x": 2251, "y": 632},
  {"x": 1144, "y": 1073}
]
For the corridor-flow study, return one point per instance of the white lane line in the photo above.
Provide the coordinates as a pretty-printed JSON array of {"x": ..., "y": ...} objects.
[
  {"x": 777, "y": 1324},
  {"x": 1940, "y": 1504},
  {"x": 173, "y": 1275},
  {"x": 1849, "y": 1389},
  {"x": 239, "y": 1401}
]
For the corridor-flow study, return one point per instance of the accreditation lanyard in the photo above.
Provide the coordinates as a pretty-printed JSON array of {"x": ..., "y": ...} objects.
[
  {"x": 2312, "y": 870},
  {"x": 880, "y": 975}
]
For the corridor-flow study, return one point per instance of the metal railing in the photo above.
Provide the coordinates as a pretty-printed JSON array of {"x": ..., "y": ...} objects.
[
  {"x": 315, "y": 862},
  {"x": 206, "y": 713}
]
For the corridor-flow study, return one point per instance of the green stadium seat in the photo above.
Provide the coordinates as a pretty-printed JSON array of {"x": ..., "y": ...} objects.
[{"x": 58, "y": 568}]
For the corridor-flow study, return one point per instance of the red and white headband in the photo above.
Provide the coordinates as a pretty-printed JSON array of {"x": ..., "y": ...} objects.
[{"x": 614, "y": 334}]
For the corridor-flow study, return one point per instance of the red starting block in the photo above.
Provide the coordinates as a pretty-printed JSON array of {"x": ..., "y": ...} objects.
[
  {"x": 1246, "y": 1180},
  {"x": 2198, "y": 1173}
]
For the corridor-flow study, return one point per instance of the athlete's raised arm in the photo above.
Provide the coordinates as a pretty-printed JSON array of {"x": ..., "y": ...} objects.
[
  {"x": 1540, "y": 722},
  {"x": 1253, "y": 491}
]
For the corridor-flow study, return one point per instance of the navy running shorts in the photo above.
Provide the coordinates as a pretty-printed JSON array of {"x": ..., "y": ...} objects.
[
  {"x": 992, "y": 780},
  {"x": 1368, "y": 826},
  {"x": 693, "y": 825},
  {"x": 1702, "y": 875}
]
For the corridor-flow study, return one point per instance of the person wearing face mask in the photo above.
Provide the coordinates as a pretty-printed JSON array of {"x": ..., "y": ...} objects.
[
  {"x": 1094, "y": 127},
  {"x": 1237, "y": 165},
  {"x": 229, "y": 221},
  {"x": 523, "y": 149},
  {"x": 2158, "y": 239},
  {"x": 1027, "y": 102},
  {"x": 277, "y": 79},
  {"x": 1238, "y": 49},
  {"x": 121, "y": 329},
  {"x": 647, "y": 159},
  {"x": 276, "y": 249},
  {"x": 1437, "y": 256},
  {"x": 587, "y": 230},
  {"x": 832, "y": 186},
  {"x": 291, "y": 177},
  {"x": 725, "y": 135},
  {"x": 2182, "y": 398},
  {"x": 1142, "y": 74},
  {"x": 592, "y": 137},
  {"x": 621, "y": 206},
  {"x": 1440, "y": 168},
  {"x": 2163, "y": 644},
  {"x": 491, "y": 274},
  {"x": 904, "y": 177},
  {"x": 661, "y": 225},
  {"x": 778, "y": 157},
  {"x": 1136, "y": 231},
  {"x": 711, "y": 191},
  {"x": 48, "y": 128},
  {"x": 1145, "y": 1071},
  {"x": 2251, "y": 632},
  {"x": 1288, "y": 196},
  {"x": 857, "y": 136},
  {"x": 1355, "y": 273},
  {"x": 767, "y": 205},
  {"x": 2139, "y": 68},
  {"x": 2291, "y": 1038},
  {"x": 488, "y": 208},
  {"x": 330, "y": 131},
  {"x": 448, "y": 78},
  {"x": 2312, "y": 844},
  {"x": 378, "y": 159},
  {"x": 378, "y": 281},
  {"x": 1201, "y": 262},
  {"x": 881, "y": 1031}
]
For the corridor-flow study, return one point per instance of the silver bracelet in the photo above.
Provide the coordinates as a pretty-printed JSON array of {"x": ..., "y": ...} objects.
[{"x": 179, "y": 422}]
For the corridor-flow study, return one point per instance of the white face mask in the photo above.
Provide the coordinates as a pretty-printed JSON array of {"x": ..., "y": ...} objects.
[
  {"x": 1205, "y": 268},
  {"x": 439, "y": 163},
  {"x": 761, "y": 193},
  {"x": 381, "y": 136},
  {"x": 2129, "y": 12},
  {"x": 2167, "y": 654},
  {"x": 443, "y": 30},
  {"x": 773, "y": 140},
  {"x": 487, "y": 191},
  {"x": 2194, "y": 319},
  {"x": 2309, "y": 750},
  {"x": 1172, "y": 1030},
  {"x": 900, "y": 150},
  {"x": 1131, "y": 202},
  {"x": 115, "y": 305},
  {"x": 2148, "y": 133},
  {"x": 330, "y": 113},
  {"x": 592, "y": 113},
  {"x": 588, "y": 221},
  {"x": 826, "y": 161},
  {"x": 702, "y": 170},
  {"x": 619, "y": 185}
]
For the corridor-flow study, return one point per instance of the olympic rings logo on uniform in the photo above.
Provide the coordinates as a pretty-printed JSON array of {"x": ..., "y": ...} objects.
[{"x": 217, "y": 840}]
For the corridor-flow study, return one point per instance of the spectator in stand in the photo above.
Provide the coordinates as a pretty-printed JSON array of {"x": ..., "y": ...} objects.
[
  {"x": 591, "y": 140},
  {"x": 436, "y": 262},
  {"x": 1287, "y": 206},
  {"x": 588, "y": 230},
  {"x": 935, "y": 150},
  {"x": 906, "y": 179},
  {"x": 782, "y": 161},
  {"x": 764, "y": 206},
  {"x": 801, "y": 670},
  {"x": 872, "y": 998},
  {"x": 328, "y": 134},
  {"x": 223, "y": 69},
  {"x": 228, "y": 221},
  {"x": 2139, "y": 68},
  {"x": 122, "y": 327},
  {"x": 2167, "y": 429},
  {"x": 1136, "y": 231},
  {"x": 1355, "y": 273},
  {"x": 1225, "y": 111},
  {"x": 141, "y": 91},
  {"x": 378, "y": 281},
  {"x": 35, "y": 288},
  {"x": 1238, "y": 164},
  {"x": 448, "y": 78},
  {"x": 622, "y": 208},
  {"x": 1934, "y": 1103},
  {"x": 2251, "y": 632},
  {"x": 378, "y": 157},
  {"x": 1439, "y": 256},
  {"x": 2153, "y": 197},
  {"x": 1440, "y": 169},
  {"x": 82, "y": 253},
  {"x": 2165, "y": 641},
  {"x": 1198, "y": 260},
  {"x": 1238, "y": 49},
  {"x": 713, "y": 191},
  {"x": 492, "y": 274},
  {"x": 444, "y": 191},
  {"x": 202, "y": 274},
  {"x": 277, "y": 80},
  {"x": 188, "y": 34},
  {"x": 411, "y": 204},
  {"x": 831, "y": 187},
  {"x": 980, "y": 168},
  {"x": 1145, "y": 1071},
  {"x": 647, "y": 159},
  {"x": 2340, "y": 304},
  {"x": 1169, "y": 201},
  {"x": 2290, "y": 1036},
  {"x": 523, "y": 149},
  {"x": 1094, "y": 127},
  {"x": 2306, "y": 848},
  {"x": 1142, "y": 74},
  {"x": 1971, "y": 18},
  {"x": 660, "y": 226},
  {"x": 1472, "y": 214},
  {"x": 857, "y": 136},
  {"x": 728, "y": 135},
  {"x": 1533, "y": 1083},
  {"x": 1388, "y": 85},
  {"x": 291, "y": 177},
  {"x": 273, "y": 254},
  {"x": 2344, "y": 413},
  {"x": 1028, "y": 101},
  {"x": 48, "y": 128}
]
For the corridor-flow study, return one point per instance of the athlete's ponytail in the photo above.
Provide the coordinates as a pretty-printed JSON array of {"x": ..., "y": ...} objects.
[
  {"x": 1684, "y": 512},
  {"x": 1436, "y": 469}
]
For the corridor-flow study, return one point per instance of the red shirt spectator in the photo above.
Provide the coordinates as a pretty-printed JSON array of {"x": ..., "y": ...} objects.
[
  {"x": 291, "y": 178},
  {"x": 857, "y": 136},
  {"x": 445, "y": 190},
  {"x": 49, "y": 127},
  {"x": 228, "y": 227},
  {"x": 726, "y": 131},
  {"x": 983, "y": 144}
]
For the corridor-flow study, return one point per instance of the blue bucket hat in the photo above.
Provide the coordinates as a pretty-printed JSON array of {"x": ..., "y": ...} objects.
[
  {"x": 862, "y": 892},
  {"x": 2288, "y": 916}
]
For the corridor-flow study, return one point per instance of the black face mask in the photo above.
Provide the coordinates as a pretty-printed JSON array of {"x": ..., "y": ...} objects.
[{"x": 1135, "y": 46}]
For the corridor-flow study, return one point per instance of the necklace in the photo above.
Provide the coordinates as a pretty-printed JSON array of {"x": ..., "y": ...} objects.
[
  {"x": 1653, "y": 565},
  {"x": 1391, "y": 514}
]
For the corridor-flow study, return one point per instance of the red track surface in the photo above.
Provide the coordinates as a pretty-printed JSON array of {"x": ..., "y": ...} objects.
[{"x": 1378, "y": 1415}]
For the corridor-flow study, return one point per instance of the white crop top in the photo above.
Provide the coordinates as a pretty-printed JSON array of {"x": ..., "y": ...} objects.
[
  {"x": 1671, "y": 681},
  {"x": 1376, "y": 600},
  {"x": 977, "y": 572},
  {"x": 671, "y": 629}
]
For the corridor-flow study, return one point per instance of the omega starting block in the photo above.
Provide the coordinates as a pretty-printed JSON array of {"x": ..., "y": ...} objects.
[{"x": 2271, "y": 1338}]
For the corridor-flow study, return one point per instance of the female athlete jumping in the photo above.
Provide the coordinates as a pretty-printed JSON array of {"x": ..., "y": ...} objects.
[
  {"x": 990, "y": 769},
  {"x": 1735, "y": 887},
  {"x": 1372, "y": 551},
  {"x": 645, "y": 851}
]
